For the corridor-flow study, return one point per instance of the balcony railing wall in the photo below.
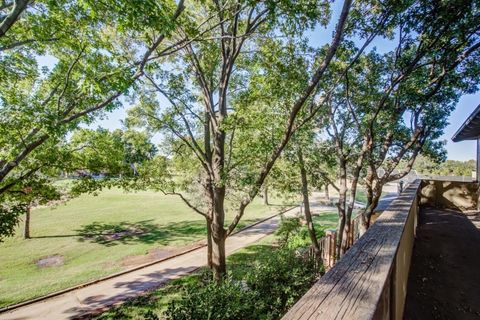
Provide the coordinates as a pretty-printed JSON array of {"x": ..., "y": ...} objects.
[{"x": 370, "y": 280}]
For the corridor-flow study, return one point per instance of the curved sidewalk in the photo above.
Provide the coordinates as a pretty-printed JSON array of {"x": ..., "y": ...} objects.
[{"x": 94, "y": 298}]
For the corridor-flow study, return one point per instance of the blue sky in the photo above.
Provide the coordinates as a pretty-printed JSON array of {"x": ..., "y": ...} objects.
[
  {"x": 464, "y": 150},
  {"x": 456, "y": 151}
]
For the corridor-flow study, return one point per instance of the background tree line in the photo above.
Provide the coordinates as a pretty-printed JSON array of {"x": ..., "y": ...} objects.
[{"x": 427, "y": 166}]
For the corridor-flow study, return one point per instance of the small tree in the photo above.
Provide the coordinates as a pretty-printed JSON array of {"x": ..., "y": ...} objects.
[
  {"x": 22, "y": 198},
  {"x": 301, "y": 169}
]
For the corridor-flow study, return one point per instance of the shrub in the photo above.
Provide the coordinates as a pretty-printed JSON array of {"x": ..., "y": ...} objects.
[
  {"x": 280, "y": 281},
  {"x": 267, "y": 292},
  {"x": 214, "y": 301},
  {"x": 287, "y": 228}
]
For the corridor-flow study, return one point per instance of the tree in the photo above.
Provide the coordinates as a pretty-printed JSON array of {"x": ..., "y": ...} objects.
[
  {"x": 90, "y": 74},
  {"x": 22, "y": 198},
  {"x": 117, "y": 156},
  {"x": 394, "y": 106},
  {"x": 37, "y": 192},
  {"x": 93, "y": 65},
  {"x": 303, "y": 167},
  {"x": 207, "y": 114},
  {"x": 435, "y": 73}
]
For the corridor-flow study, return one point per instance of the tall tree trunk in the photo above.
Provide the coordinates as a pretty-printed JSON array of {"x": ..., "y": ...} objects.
[
  {"x": 265, "y": 195},
  {"x": 218, "y": 256},
  {"x": 341, "y": 227},
  {"x": 351, "y": 206},
  {"x": 219, "y": 234},
  {"x": 365, "y": 217},
  {"x": 327, "y": 194},
  {"x": 26, "y": 231},
  {"x": 342, "y": 196},
  {"x": 306, "y": 203},
  {"x": 372, "y": 203},
  {"x": 209, "y": 244}
]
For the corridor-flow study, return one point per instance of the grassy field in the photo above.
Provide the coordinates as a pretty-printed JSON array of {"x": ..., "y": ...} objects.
[
  {"x": 361, "y": 196},
  {"x": 91, "y": 237},
  {"x": 239, "y": 264}
]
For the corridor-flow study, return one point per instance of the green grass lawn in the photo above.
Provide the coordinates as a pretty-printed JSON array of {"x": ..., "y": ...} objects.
[
  {"x": 77, "y": 233},
  {"x": 325, "y": 220},
  {"x": 361, "y": 195}
]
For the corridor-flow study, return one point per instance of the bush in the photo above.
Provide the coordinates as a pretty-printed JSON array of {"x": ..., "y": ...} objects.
[
  {"x": 287, "y": 228},
  {"x": 213, "y": 301},
  {"x": 280, "y": 281},
  {"x": 267, "y": 292}
]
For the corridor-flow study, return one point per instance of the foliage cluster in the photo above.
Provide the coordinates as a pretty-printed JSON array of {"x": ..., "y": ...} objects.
[
  {"x": 293, "y": 233},
  {"x": 267, "y": 291},
  {"x": 426, "y": 166}
]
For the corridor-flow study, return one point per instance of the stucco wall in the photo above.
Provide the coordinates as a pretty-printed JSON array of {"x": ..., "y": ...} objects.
[{"x": 456, "y": 195}]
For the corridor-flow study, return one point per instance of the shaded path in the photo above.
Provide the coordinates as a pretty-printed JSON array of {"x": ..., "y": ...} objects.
[
  {"x": 444, "y": 279},
  {"x": 102, "y": 295}
]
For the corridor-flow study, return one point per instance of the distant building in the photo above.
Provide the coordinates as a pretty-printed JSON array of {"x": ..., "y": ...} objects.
[{"x": 470, "y": 130}]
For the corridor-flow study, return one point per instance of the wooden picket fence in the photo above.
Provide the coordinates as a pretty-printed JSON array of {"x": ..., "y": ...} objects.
[{"x": 328, "y": 244}]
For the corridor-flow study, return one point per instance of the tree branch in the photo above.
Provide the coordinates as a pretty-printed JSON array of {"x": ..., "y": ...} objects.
[{"x": 18, "y": 7}]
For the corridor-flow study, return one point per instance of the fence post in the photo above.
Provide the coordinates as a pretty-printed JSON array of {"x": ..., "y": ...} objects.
[
  {"x": 332, "y": 239},
  {"x": 352, "y": 231}
]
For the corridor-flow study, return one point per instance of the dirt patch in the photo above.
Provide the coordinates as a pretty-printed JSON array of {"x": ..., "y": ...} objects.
[
  {"x": 444, "y": 277},
  {"x": 55, "y": 260},
  {"x": 158, "y": 254},
  {"x": 134, "y": 232},
  {"x": 110, "y": 233}
]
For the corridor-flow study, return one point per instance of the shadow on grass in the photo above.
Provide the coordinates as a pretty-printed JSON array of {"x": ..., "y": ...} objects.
[
  {"x": 141, "y": 232},
  {"x": 110, "y": 234}
]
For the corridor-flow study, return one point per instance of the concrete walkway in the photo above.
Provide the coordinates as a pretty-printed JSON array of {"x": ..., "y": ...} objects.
[{"x": 93, "y": 298}]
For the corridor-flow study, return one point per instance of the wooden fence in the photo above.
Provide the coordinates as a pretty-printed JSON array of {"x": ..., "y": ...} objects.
[
  {"x": 328, "y": 243},
  {"x": 369, "y": 282}
]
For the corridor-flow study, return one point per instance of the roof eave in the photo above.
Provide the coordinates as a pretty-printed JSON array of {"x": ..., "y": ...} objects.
[{"x": 458, "y": 135}]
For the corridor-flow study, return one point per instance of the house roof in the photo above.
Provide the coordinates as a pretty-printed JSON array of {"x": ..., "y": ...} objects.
[{"x": 470, "y": 129}]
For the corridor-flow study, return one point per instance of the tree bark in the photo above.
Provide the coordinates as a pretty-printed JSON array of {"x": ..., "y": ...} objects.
[
  {"x": 8, "y": 20},
  {"x": 219, "y": 265},
  {"x": 327, "y": 194},
  {"x": 372, "y": 202},
  {"x": 219, "y": 234},
  {"x": 348, "y": 216},
  {"x": 341, "y": 227},
  {"x": 209, "y": 244},
  {"x": 342, "y": 196},
  {"x": 26, "y": 231},
  {"x": 306, "y": 203},
  {"x": 265, "y": 195}
]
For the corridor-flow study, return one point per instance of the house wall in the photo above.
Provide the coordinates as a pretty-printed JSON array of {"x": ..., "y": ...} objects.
[{"x": 457, "y": 195}]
